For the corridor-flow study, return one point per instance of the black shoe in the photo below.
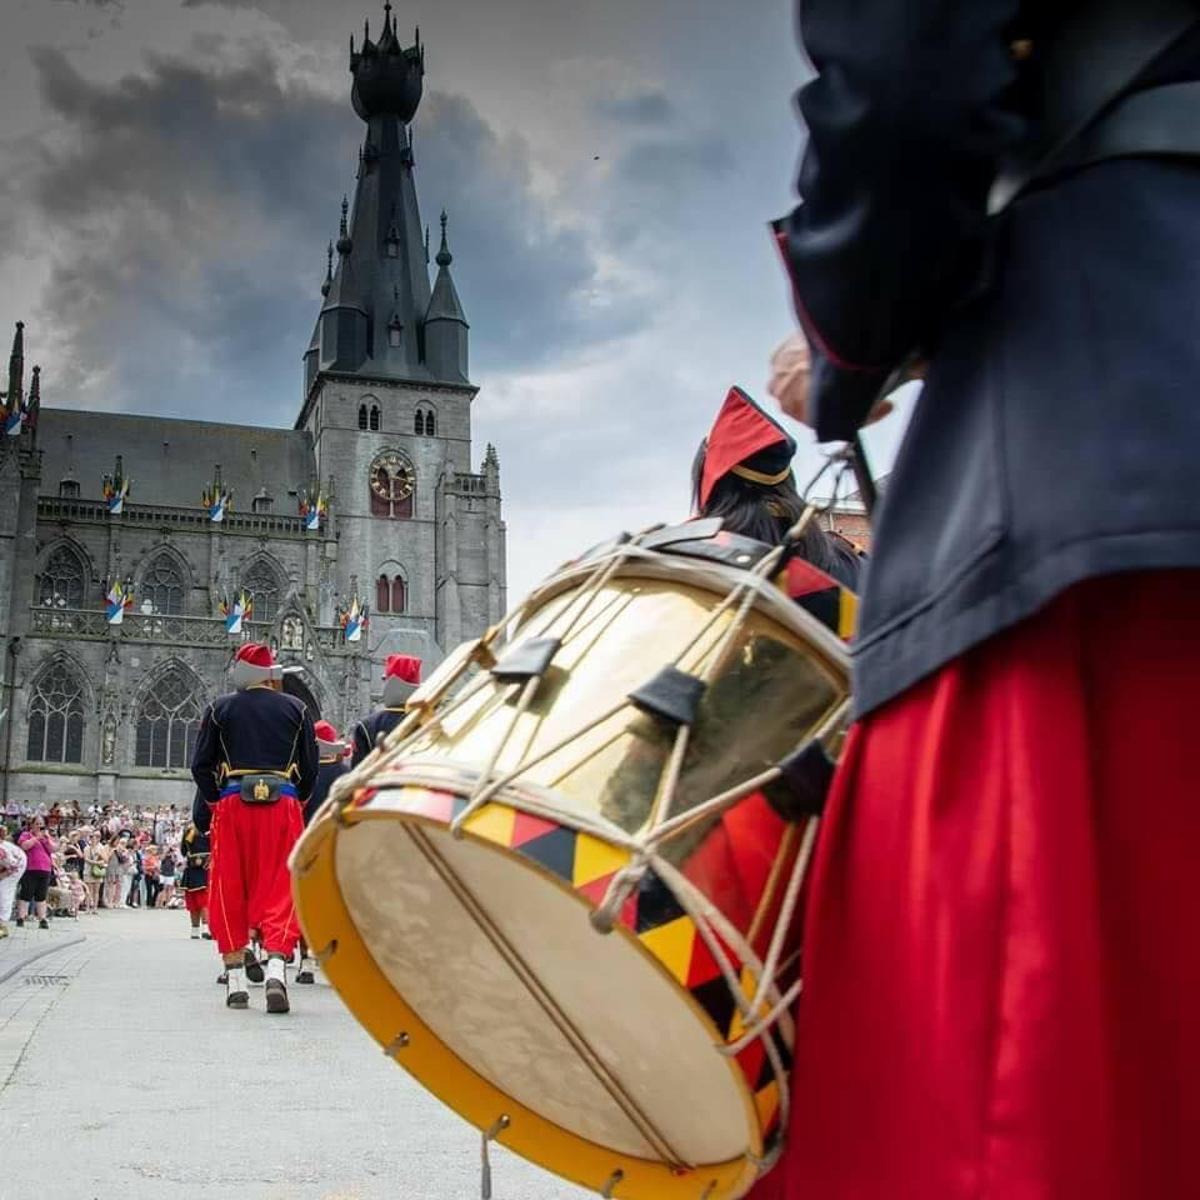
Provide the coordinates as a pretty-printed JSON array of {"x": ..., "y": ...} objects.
[
  {"x": 254, "y": 969},
  {"x": 277, "y": 997},
  {"x": 43, "y": 924},
  {"x": 223, "y": 978},
  {"x": 237, "y": 999},
  {"x": 205, "y": 935},
  {"x": 305, "y": 976},
  {"x": 20, "y": 922}
]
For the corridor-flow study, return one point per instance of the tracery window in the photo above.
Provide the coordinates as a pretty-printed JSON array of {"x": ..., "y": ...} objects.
[
  {"x": 56, "y": 717},
  {"x": 392, "y": 482},
  {"x": 62, "y": 581},
  {"x": 168, "y": 721},
  {"x": 261, "y": 582},
  {"x": 163, "y": 585}
]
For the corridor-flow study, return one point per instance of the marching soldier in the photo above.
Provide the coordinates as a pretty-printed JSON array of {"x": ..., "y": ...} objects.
[
  {"x": 194, "y": 846},
  {"x": 401, "y": 674},
  {"x": 255, "y": 765},
  {"x": 332, "y": 751}
]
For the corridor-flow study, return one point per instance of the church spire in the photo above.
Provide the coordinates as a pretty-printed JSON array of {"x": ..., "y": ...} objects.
[
  {"x": 379, "y": 300},
  {"x": 15, "y": 395},
  {"x": 445, "y": 321}
]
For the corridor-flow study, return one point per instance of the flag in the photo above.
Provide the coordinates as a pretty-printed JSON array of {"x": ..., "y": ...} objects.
[
  {"x": 313, "y": 507},
  {"x": 354, "y": 620},
  {"x": 218, "y": 499},
  {"x": 115, "y": 488},
  {"x": 118, "y": 602},
  {"x": 240, "y": 609},
  {"x": 14, "y": 418}
]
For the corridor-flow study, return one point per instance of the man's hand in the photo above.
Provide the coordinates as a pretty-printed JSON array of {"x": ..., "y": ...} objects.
[{"x": 791, "y": 368}]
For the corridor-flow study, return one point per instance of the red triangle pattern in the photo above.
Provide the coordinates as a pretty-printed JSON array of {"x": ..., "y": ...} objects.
[
  {"x": 703, "y": 966},
  {"x": 595, "y": 891},
  {"x": 363, "y": 796},
  {"x": 751, "y": 1060},
  {"x": 526, "y": 828}
]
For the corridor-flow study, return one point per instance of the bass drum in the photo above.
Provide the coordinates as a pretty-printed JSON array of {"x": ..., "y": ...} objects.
[{"x": 553, "y": 894}]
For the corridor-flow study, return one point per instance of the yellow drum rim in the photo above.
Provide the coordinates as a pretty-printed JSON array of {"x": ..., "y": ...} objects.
[{"x": 406, "y": 1039}]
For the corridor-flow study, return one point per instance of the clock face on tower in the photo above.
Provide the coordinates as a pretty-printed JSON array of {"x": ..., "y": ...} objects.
[{"x": 393, "y": 482}]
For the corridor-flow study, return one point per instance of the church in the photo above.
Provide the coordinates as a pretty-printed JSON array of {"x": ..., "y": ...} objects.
[{"x": 137, "y": 552}]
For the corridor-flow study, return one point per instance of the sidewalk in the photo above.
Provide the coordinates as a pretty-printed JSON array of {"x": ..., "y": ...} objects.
[{"x": 127, "y": 1079}]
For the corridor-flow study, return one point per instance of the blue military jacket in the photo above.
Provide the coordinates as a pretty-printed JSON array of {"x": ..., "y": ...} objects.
[{"x": 1056, "y": 436}]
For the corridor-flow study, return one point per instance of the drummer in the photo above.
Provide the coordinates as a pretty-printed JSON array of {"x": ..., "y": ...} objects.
[
  {"x": 195, "y": 848},
  {"x": 742, "y": 473},
  {"x": 401, "y": 674}
]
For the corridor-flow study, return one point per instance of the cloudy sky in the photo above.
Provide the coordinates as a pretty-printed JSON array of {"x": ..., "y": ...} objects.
[{"x": 170, "y": 171}]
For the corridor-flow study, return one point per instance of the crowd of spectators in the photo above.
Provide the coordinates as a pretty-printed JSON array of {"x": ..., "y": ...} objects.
[{"x": 61, "y": 860}]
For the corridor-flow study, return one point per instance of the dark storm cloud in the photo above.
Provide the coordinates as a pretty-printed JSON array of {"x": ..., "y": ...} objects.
[
  {"x": 190, "y": 205},
  {"x": 643, "y": 108}
]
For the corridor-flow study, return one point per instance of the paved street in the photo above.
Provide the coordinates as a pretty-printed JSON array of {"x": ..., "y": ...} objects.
[{"x": 123, "y": 1076}]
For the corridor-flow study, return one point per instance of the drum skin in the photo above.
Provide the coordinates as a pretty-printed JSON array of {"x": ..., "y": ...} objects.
[{"x": 472, "y": 960}]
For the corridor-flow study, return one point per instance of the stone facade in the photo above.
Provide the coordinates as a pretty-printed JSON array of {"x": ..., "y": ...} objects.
[{"x": 96, "y": 711}]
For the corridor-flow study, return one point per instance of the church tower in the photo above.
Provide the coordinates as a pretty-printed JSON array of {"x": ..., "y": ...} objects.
[{"x": 387, "y": 394}]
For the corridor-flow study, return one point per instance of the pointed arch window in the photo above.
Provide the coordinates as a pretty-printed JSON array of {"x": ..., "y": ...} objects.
[
  {"x": 168, "y": 721},
  {"x": 425, "y": 424},
  {"x": 399, "y": 595},
  {"x": 56, "y": 717},
  {"x": 383, "y": 595},
  {"x": 374, "y": 418},
  {"x": 62, "y": 581},
  {"x": 261, "y": 582},
  {"x": 362, "y": 416},
  {"x": 163, "y": 585}
]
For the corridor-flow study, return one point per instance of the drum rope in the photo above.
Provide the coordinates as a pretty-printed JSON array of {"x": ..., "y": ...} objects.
[{"x": 542, "y": 997}]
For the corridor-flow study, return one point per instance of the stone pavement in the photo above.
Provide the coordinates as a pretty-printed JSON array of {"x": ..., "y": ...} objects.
[{"x": 123, "y": 1077}]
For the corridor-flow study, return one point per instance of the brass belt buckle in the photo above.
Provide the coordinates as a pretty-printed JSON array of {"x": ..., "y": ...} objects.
[{"x": 262, "y": 792}]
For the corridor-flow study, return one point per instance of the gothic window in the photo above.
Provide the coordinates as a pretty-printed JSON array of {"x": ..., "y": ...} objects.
[
  {"x": 62, "y": 581},
  {"x": 291, "y": 634},
  {"x": 374, "y": 420},
  {"x": 261, "y": 582},
  {"x": 419, "y": 425},
  {"x": 392, "y": 483},
  {"x": 163, "y": 585},
  {"x": 425, "y": 424},
  {"x": 168, "y": 722},
  {"x": 56, "y": 717},
  {"x": 391, "y": 594},
  {"x": 362, "y": 416}
]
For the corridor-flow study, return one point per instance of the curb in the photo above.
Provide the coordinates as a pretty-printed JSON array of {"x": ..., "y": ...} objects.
[{"x": 8, "y": 972}]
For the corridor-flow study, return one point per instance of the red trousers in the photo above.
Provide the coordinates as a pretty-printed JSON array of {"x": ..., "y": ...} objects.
[
  {"x": 196, "y": 900},
  {"x": 249, "y": 883},
  {"x": 1002, "y": 943}
]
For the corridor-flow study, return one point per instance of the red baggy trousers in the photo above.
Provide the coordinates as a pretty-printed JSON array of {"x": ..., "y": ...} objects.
[
  {"x": 249, "y": 883},
  {"x": 1002, "y": 942}
]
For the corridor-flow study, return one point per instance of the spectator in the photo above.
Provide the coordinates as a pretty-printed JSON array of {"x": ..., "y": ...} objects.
[
  {"x": 12, "y": 867},
  {"x": 35, "y": 883},
  {"x": 136, "y": 878},
  {"x": 150, "y": 863},
  {"x": 166, "y": 878},
  {"x": 95, "y": 862},
  {"x": 113, "y": 873}
]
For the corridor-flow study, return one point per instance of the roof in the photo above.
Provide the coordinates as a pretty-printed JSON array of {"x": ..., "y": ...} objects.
[{"x": 168, "y": 461}]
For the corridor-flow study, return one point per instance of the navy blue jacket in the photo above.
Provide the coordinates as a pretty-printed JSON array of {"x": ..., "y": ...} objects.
[
  {"x": 1055, "y": 438},
  {"x": 370, "y": 729},
  {"x": 196, "y": 849},
  {"x": 329, "y": 772},
  {"x": 257, "y": 729}
]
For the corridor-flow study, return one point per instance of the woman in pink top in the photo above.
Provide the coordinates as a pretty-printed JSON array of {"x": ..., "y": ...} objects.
[{"x": 39, "y": 869}]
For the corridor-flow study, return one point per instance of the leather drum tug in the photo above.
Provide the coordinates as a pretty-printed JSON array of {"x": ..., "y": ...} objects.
[{"x": 562, "y": 892}]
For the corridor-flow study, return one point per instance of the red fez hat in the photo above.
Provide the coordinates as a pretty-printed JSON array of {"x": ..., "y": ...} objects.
[
  {"x": 747, "y": 442},
  {"x": 403, "y": 667},
  {"x": 401, "y": 674},
  {"x": 328, "y": 741},
  {"x": 254, "y": 663}
]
